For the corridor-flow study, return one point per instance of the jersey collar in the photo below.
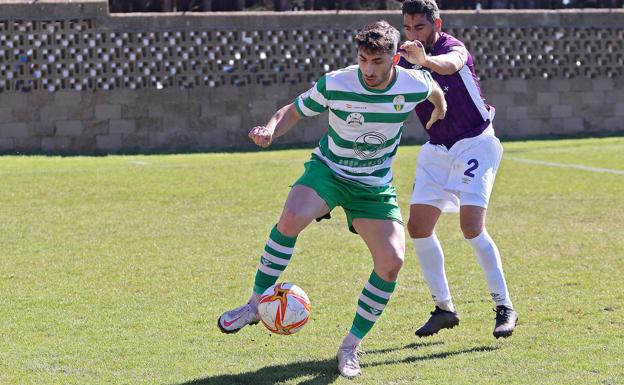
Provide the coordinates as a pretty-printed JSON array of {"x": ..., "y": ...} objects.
[{"x": 388, "y": 87}]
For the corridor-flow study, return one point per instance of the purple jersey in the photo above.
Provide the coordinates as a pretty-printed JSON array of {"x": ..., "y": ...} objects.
[{"x": 468, "y": 114}]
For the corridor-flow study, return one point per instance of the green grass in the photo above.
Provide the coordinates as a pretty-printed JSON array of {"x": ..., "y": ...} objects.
[{"x": 113, "y": 270}]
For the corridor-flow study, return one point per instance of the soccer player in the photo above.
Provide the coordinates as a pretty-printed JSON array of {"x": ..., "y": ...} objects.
[
  {"x": 456, "y": 167},
  {"x": 351, "y": 167}
]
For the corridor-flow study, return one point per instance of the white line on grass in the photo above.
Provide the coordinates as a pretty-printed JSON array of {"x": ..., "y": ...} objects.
[
  {"x": 566, "y": 165},
  {"x": 139, "y": 162}
]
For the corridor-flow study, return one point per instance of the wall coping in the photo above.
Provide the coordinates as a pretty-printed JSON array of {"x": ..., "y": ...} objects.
[{"x": 98, "y": 9}]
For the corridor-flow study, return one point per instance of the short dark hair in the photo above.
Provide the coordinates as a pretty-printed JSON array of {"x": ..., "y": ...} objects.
[
  {"x": 427, "y": 7},
  {"x": 379, "y": 36}
]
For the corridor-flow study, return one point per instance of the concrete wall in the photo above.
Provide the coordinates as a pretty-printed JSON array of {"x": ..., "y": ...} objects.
[{"x": 74, "y": 79}]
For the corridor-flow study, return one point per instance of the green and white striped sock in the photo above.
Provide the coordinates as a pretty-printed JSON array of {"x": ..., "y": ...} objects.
[
  {"x": 274, "y": 259},
  {"x": 372, "y": 301}
]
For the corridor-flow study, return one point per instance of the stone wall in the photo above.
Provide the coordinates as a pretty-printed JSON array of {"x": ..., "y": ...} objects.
[{"x": 74, "y": 79}]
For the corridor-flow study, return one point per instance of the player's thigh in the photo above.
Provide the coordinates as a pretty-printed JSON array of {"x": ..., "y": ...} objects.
[
  {"x": 422, "y": 220},
  {"x": 302, "y": 206},
  {"x": 385, "y": 239}
]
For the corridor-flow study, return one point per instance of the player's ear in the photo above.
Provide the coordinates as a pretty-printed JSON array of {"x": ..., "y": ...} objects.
[
  {"x": 437, "y": 23},
  {"x": 395, "y": 59}
]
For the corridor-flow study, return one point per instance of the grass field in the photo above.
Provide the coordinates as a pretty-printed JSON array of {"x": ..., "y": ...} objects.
[{"x": 113, "y": 270}]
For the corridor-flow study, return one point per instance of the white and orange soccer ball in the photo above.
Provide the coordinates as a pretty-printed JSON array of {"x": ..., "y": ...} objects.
[{"x": 284, "y": 308}]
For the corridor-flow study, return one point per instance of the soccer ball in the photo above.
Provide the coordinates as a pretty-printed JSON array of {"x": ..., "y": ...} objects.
[{"x": 284, "y": 308}]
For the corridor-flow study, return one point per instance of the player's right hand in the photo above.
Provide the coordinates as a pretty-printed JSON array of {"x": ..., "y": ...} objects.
[
  {"x": 414, "y": 52},
  {"x": 261, "y": 136}
]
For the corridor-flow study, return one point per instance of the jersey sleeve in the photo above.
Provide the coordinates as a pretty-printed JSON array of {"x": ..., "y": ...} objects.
[
  {"x": 428, "y": 81},
  {"x": 313, "y": 101},
  {"x": 456, "y": 46},
  {"x": 421, "y": 85},
  {"x": 452, "y": 45}
]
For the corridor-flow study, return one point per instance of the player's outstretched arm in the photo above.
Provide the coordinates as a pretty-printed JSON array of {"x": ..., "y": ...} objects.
[
  {"x": 439, "y": 103},
  {"x": 447, "y": 64},
  {"x": 278, "y": 125}
]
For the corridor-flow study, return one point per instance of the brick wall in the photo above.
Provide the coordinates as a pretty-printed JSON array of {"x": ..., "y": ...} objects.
[{"x": 74, "y": 79}]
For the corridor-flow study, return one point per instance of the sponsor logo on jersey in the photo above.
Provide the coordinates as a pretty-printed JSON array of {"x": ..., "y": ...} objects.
[
  {"x": 352, "y": 107},
  {"x": 399, "y": 102},
  {"x": 369, "y": 144},
  {"x": 355, "y": 119}
]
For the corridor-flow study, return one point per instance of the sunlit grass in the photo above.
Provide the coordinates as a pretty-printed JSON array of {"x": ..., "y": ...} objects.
[{"x": 114, "y": 270}]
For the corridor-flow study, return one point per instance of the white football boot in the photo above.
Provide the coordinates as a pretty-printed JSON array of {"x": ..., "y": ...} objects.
[
  {"x": 349, "y": 361},
  {"x": 234, "y": 320}
]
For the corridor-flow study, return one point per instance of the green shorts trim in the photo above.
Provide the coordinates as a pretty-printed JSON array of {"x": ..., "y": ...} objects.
[{"x": 357, "y": 201}]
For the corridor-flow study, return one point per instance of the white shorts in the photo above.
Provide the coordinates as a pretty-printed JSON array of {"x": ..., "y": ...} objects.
[{"x": 463, "y": 175}]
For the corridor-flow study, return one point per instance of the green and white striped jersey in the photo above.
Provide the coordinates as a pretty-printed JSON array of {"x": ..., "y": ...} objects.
[{"x": 365, "y": 124}]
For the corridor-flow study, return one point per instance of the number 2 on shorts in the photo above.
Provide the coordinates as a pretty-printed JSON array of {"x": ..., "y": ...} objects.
[{"x": 474, "y": 164}]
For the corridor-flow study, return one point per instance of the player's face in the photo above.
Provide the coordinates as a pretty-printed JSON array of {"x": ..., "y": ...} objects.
[
  {"x": 418, "y": 27},
  {"x": 376, "y": 68}
]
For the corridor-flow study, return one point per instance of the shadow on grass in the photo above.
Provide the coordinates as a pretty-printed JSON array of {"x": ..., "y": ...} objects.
[
  {"x": 433, "y": 356},
  {"x": 413, "y": 345},
  {"x": 323, "y": 372},
  {"x": 316, "y": 372}
]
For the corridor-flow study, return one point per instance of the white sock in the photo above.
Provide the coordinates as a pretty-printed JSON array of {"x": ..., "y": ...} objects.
[
  {"x": 490, "y": 261},
  {"x": 254, "y": 299},
  {"x": 431, "y": 260},
  {"x": 350, "y": 341}
]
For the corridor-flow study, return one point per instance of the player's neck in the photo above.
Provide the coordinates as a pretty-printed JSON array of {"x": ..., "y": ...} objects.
[{"x": 436, "y": 37}]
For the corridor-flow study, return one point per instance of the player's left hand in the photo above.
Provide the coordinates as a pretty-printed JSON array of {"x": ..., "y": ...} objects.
[
  {"x": 436, "y": 114},
  {"x": 261, "y": 135},
  {"x": 413, "y": 52}
]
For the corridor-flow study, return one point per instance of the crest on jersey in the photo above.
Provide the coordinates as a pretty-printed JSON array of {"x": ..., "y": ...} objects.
[
  {"x": 355, "y": 119},
  {"x": 369, "y": 144},
  {"x": 399, "y": 102}
]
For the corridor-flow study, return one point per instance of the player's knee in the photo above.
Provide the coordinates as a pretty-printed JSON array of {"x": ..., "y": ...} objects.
[
  {"x": 472, "y": 229},
  {"x": 389, "y": 270},
  {"x": 418, "y": 229},
  {"x": 292, "y": 222}
]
